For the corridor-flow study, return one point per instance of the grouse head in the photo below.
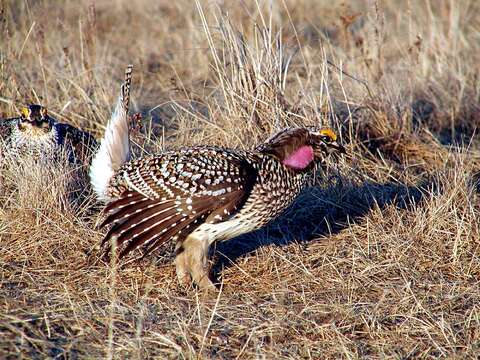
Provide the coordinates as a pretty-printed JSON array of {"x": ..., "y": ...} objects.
[
  {"x": 300, "y": 148},
  {"x": 35, "y": 119},
  {"x": 324, "y": 142}
]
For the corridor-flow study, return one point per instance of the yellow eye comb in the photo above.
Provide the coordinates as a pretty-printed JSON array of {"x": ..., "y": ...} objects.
[
  {"x": 25, "y": 112},
  {"x": 329, "y": 132}
]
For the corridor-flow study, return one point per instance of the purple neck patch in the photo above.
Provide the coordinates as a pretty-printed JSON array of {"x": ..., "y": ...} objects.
[{"x": 300, "y": 158}]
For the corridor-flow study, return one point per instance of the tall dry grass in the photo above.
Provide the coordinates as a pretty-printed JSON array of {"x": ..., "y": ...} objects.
[{"x": 379, "y": 260}]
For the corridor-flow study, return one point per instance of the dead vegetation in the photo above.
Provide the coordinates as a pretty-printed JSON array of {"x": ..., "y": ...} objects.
[{"x": 380, "y": 260}]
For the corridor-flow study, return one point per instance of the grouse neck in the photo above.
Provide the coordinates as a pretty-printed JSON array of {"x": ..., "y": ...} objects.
[{"x": 300, "y": 159}]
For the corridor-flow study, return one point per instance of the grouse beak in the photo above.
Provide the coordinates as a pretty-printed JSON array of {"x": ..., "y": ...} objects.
[{"x": 338, "y": 147}]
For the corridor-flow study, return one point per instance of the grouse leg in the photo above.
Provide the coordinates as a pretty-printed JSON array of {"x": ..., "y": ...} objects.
[{"x": 192, "y": 262}]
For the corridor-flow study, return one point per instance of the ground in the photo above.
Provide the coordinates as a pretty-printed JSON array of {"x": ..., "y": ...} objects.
[{"x": 380, "y": 259}]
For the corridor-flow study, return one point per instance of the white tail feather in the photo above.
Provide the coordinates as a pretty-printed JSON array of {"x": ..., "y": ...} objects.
[{"x": 114, "y": 149}]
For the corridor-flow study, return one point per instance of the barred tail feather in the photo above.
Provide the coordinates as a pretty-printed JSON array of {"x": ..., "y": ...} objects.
[{"x": 114, "y": 149}]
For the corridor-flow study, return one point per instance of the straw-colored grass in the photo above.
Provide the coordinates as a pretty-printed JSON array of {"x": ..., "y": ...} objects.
[{"x": 381, "y": 259}]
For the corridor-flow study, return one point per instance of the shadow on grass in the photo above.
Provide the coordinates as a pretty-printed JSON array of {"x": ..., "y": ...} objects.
[{"x": 317, "y": 212}]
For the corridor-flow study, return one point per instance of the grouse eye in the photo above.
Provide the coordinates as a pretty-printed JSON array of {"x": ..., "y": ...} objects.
[{"x": 327, "y": 139}]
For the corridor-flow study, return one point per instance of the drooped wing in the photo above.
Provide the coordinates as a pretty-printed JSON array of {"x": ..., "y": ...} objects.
[
  {"x": 169, "y": 195},
  {"x": 83, "y": 145}
]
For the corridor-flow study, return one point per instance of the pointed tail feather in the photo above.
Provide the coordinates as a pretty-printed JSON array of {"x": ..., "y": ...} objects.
[{"x": 114, "y": 150}]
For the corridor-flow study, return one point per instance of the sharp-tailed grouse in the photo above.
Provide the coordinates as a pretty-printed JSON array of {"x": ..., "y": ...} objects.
[
  {"x": 198, "y": 195},
  {"x": 36, "y": 133}
]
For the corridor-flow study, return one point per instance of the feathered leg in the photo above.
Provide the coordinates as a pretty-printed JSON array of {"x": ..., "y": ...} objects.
[{"x": 192, "y": 261}]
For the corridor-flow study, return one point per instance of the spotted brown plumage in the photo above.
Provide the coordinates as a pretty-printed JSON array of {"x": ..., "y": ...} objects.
[
  {"x": 199, "y": 195},
  {"x": 37, "y": 134},
  {"x": 180, "y": 188}
]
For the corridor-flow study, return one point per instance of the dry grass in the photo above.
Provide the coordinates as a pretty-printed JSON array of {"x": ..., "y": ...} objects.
[{"x": 380, "y": 260}]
